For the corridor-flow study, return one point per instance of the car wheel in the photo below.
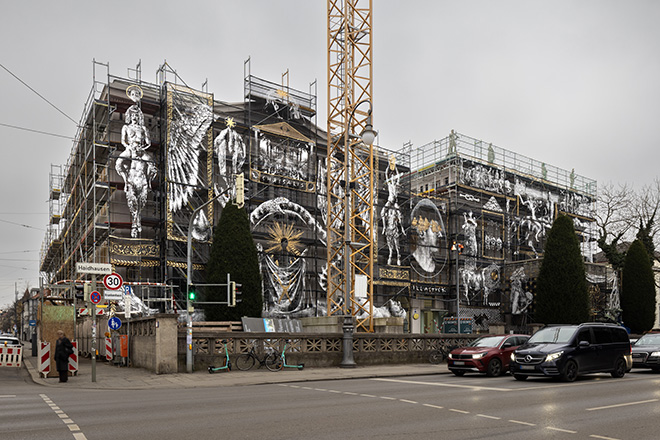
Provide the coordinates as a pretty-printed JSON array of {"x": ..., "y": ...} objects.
[
  {"x": 619, "y": 368},
  {"x": 458, "y": 373},
  {"x": 520, "y": 377},
  {"x": 494, "y": 367},
  {"x": 570, "y": 371}
]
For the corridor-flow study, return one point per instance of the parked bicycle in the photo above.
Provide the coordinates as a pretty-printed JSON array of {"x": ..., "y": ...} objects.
[
  {"x": 248, "y": 360},
  {"x": 439, "y": 355}
]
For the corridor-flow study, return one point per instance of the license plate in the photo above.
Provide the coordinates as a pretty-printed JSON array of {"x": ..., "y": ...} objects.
[
  {"x": 527, "y": 367},
  {"x": 459, "y": 363}
]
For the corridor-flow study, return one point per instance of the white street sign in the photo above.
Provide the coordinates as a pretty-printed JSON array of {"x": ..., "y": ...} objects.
[
  {"x": 113, "y": 295},
  {"x": 94, "y": 268}
]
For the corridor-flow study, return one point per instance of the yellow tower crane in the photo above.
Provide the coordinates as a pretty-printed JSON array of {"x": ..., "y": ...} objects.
[{"x": 350, "y": 164}]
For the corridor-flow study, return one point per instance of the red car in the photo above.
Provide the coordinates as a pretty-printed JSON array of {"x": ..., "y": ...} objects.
[{"x": 489, "y": 354}]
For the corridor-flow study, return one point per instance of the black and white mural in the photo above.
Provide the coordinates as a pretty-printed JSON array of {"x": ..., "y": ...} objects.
[{"x": 136, "y": 164}]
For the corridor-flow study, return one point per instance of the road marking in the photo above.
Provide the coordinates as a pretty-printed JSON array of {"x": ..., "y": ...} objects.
[
  {"x": 307, "y": 388},
  {"x": 408, "y": 401},
  {"x": 350, "y": 393},
  {"x": 603, "y": 438},
  {"x": 367, "y": 395},
  {"x": 433, "y": 406},
  {"x": 622, "y": 404},
  {"x": 568, "y": 431},
  {"x": 320, "y": 389},
  {"x": 4, "y": 396},
  {"x": 460, "y": 411},
  {"x": 74, "y": 428},
  {"x": 522, "y": 423},
  {"x": 334, "y": 391},
  {"x": 388, "y": 398},
  {"x": 489, "y": 417},
  {"x": 436, "y": 384}
]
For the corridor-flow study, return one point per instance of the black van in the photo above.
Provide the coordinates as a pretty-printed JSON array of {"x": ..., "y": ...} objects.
[{"x": 567, "y": 351}]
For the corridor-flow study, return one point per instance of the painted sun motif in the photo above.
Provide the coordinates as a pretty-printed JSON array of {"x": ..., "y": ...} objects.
[
  {"x": 230, "y": 122},
  {"x": 283, "y": 238}
]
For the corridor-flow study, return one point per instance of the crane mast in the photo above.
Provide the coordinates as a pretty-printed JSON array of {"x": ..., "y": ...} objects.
[{"x": 350, "y": 162}]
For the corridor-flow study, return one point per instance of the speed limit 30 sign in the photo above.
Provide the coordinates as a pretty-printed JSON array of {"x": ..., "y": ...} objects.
[{"x": 113, "y": 281}]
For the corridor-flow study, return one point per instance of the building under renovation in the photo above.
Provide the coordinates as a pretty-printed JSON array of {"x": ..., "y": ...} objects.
[{"x": 459, "y": 225}]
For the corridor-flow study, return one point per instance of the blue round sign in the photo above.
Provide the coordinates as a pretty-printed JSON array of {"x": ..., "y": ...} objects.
[
  {"x": 114, "y": 323},
  {"x": 95, "y": 297}
]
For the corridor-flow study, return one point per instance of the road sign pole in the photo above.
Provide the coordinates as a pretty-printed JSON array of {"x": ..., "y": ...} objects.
[{"x": 94, "y": 333}]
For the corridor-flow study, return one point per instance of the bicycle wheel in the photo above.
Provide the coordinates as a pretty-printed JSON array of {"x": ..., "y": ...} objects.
[
  {"x": 436, "y": 357},
  {"x": 245, "y": 361},
  {"x": 274, "y": 362}
]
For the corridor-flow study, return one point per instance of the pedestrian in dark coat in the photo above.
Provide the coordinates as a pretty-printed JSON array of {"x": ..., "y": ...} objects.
[{"x": 63, "y": 349}]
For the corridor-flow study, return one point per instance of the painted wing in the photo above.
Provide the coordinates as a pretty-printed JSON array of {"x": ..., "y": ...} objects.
[{"x": 183, "y": 151}]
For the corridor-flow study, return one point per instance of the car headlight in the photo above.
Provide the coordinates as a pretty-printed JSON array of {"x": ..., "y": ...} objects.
[
  {"x": 513, "y": 357},
  {"x": 451, "y": 356},
  {"x": 478, "y": 355},
  {"x": 553, "y": 356},
  {"x": 655, "y": 354}
]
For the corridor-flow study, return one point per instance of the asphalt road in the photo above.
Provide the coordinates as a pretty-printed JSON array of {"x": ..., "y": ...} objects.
[{"x": 439, "y": 407}]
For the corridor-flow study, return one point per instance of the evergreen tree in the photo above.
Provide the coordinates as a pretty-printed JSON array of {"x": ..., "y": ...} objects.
[
  {"x": 644, "y": 235},
  {"x": 562, "y": 296},
  {"x": 233, "y": 251},
  {"x": 638, "y": 290}
]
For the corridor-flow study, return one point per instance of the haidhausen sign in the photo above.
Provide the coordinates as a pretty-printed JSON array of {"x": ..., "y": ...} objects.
[{"x": 94, "y": 268}]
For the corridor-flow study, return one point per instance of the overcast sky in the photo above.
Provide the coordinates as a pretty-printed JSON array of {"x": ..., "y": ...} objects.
[{"x": 574, "y": 84}]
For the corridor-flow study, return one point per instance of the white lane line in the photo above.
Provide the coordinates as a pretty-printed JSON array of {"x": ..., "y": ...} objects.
[
  {"x": 6, "y": 396},
  {"x": 388, "y": 398},
  {"x": 433, "y": 406},
  {"x": 622, "y": 404},
  {"x": 489, "y": 417},
  {"x": 568, "y": 431},
  {"x": 350, "y": 393},
  {"x": 602, "y": 438},
  {"x": 334, "y": 391},
  {"x": 74, "y": 428},
  {"x": 408, "y": 401},
  {"x": 522, "y": 423},
  {"x": 320, "y": 389},
  {"x": 448, "y": 385},
  {"x": 460, "y": 411},
  {"x": 367, "y": 395}
]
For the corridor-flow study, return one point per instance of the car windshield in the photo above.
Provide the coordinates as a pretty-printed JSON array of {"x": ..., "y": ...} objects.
[
  {"x": 8, "y": 341},
  {"x": 488, "y": 341},
  {"x": 553, "y": 335},
  {"x": 650, "y": 339}
]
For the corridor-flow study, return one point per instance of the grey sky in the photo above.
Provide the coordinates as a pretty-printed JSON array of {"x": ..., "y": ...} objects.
[{"x": 570, "y": 83}]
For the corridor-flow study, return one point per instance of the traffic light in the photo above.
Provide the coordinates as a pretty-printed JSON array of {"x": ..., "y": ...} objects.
[
  {"x": 192, "y": 295},
  {"x": 79, "y": 292},
  {"x": 232, "y": 294}
]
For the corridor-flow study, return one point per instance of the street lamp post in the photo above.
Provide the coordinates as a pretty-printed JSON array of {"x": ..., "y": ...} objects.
[{"x": 368, "y": 136}]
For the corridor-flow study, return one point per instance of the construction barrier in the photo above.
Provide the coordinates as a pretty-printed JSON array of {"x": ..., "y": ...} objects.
[
  {"x": 44, "y": 358},
  {"x": 73, "y": 359},
  {"x": 108, "y": 349},
  {"x": 11, "y": 356},
  {"x": 123, "y": 345}
]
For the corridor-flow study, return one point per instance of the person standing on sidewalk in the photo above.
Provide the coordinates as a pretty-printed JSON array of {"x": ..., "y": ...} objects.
[{"x": 63, "y": 349}]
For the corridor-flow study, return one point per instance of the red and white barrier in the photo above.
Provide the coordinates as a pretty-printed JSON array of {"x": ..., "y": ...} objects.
[
  {"x": 44, "y": 358},
  {"x": 11, "y": 356},
  {"x": 108, "y": 349},
  {"x": 73, "y": 359}
]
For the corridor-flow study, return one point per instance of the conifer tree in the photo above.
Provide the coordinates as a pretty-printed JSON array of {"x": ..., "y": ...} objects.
[
  {"x": 562, "y": 296},
  {"x": 233, "y": 251},
  {"x": 638, "y": 289}
]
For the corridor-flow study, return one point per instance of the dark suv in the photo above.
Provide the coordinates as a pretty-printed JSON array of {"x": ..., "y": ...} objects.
[{"x": 567, "y": 351}]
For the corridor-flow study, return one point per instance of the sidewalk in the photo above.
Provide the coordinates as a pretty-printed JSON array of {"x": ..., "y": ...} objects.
[{"x": 124, "y": 378}]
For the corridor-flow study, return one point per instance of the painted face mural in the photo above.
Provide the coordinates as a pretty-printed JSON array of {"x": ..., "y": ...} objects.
[
  {"x": 428, "y": 231},
  {"x": 135, "y": 165}
]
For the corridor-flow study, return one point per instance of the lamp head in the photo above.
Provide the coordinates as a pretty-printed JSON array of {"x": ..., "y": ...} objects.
[{"x": 369, "y": 134}]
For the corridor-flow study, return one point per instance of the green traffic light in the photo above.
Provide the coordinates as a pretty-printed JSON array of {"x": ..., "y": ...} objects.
[{"x": 191, "y": 296}]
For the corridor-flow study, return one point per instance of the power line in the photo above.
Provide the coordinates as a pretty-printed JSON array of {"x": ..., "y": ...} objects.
[
  {"x": 36, "y": 131},
  {"x": 38, "y": 94},
  {"x": 20, "y": 224}
]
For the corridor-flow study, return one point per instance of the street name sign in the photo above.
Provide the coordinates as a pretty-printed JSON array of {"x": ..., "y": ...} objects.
[
  {"x": 94, "y": 268},
  {"x": 113, "y": 295}
]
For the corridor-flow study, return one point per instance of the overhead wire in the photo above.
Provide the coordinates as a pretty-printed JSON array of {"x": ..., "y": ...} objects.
[
  {"x": 36, "y": 131},
  {"x": 38, "y": 94}
]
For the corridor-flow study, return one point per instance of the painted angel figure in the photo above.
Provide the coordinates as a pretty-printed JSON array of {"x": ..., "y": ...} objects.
[
  {"x": 391, "y": 213},
  {"x": 135, "y": 165}
]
